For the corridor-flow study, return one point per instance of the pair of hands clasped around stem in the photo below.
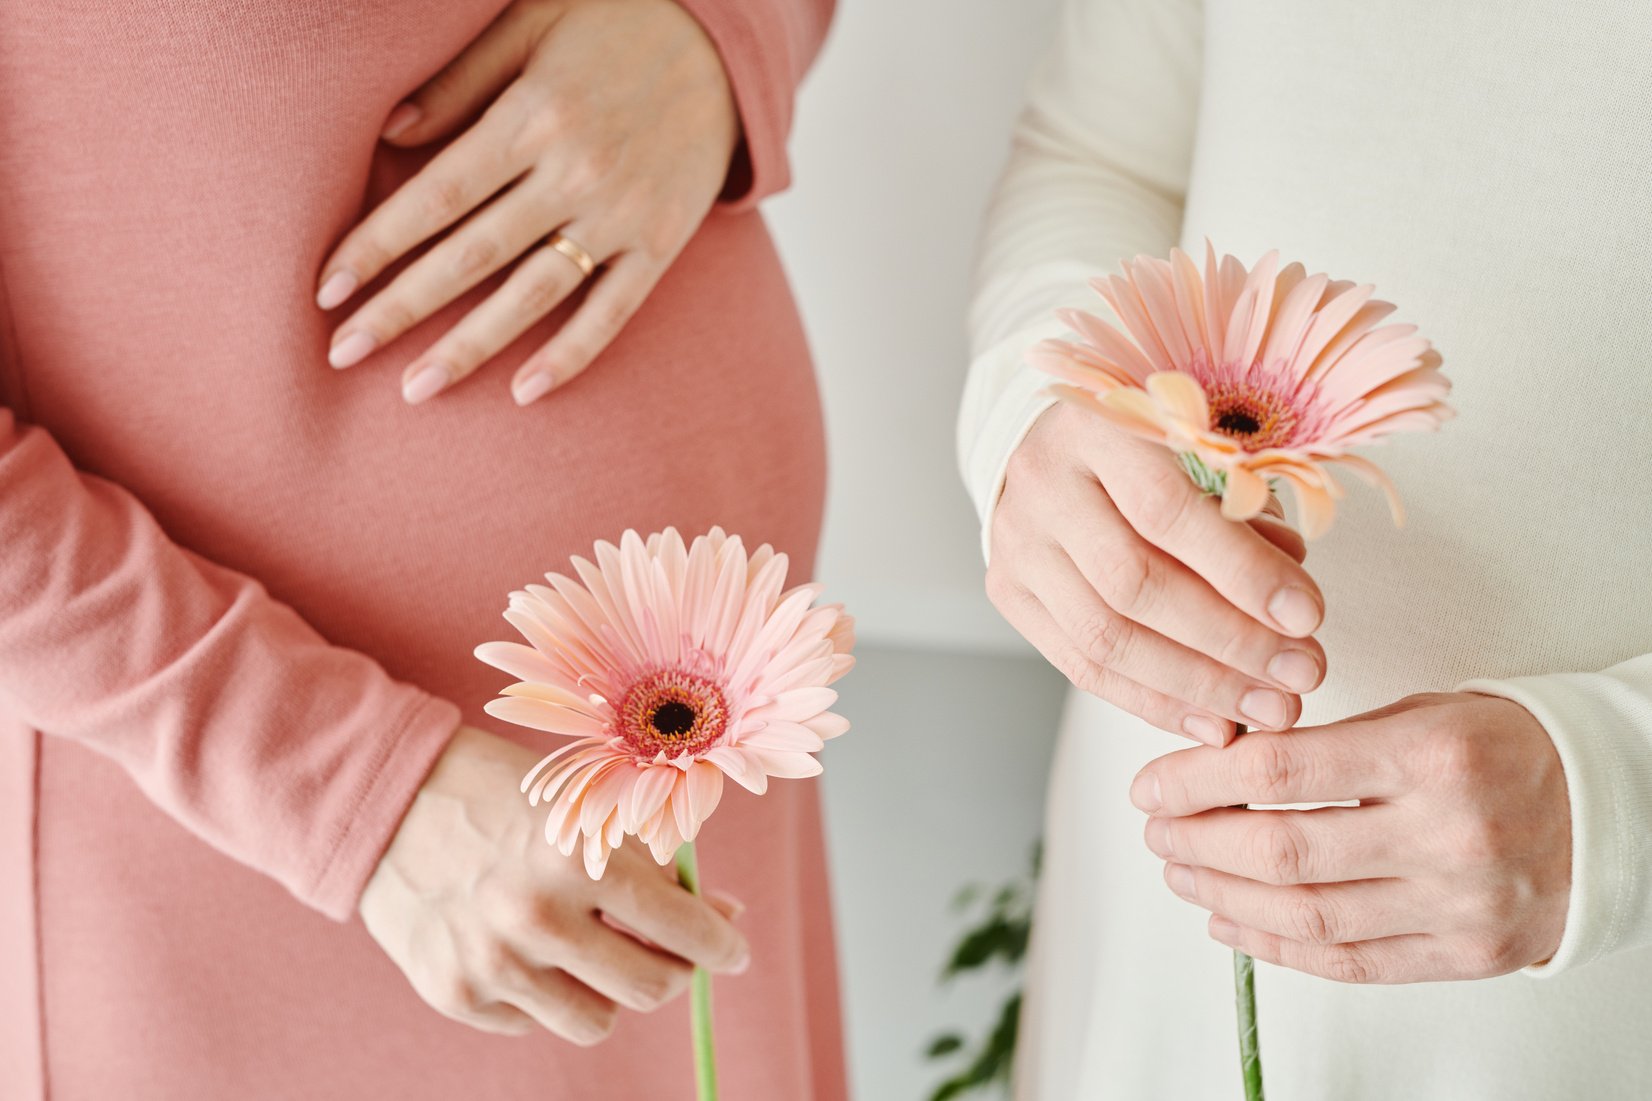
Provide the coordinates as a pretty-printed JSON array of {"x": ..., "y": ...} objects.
[
  {"x": 1456, "y": 864},
  {"x": 611, "y": 121}
]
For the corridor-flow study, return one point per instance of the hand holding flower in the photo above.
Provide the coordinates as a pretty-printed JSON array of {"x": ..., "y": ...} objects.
[
  {"x": 1127, "y": 578},
  {"x": 495, "y": 928},
  {"x": 1455, "y": 865}
]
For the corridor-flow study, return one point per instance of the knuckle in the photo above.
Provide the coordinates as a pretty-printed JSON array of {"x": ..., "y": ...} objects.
[
  {"x": 610, "y": 317},
  {"x": 1308, "y": 919},
  {"x": 1478, "y": 841},
  {"x": 1453, "y": 758},
  {"x": 1103, "y": 637},
  {"x": 497, "y": 965},
  {"x": 1351, "y": 964},
  {"x": 462, "y": 354},
  {"x": 457, "y": 997},
  {"x": 653, "y": 990},
  {"x": 537, "y": 297},
  {"x": 1164, "y": 511},
  {"x": 1087, "y": 678},
  {"x": 664, "y": 235},
  {"x": 444, "y": 199},
  {"x": 476, "y": 257},
  {"x": 1495, "y": 955},
  {"x": 598, "y": 1025},
  {"x": 394, "y": 316},
  {"x": 1234, "y": 647},
  {"x": 364, "y": 254},
  {"x": 1278, "y": 852},
  {"x": 588, "y": 168},
  {"x": 1266, "y": 768},
  {"x": 1125, "y": 580}
]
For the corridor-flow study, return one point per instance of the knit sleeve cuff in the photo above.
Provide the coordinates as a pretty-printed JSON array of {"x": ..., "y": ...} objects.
[
  {"x": 1601, "y": 725},
  {"x": 988, "y": 436},
  {"x": 382, "y": 799}
]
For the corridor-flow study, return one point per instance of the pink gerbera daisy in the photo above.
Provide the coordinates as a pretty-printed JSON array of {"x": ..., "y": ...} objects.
[
  {"x": 671, "y": 667},
  {"x": 1251, "y": 376}
]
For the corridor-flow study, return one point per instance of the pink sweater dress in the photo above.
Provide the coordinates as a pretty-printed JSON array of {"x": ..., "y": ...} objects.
[{"x": 239, "y": 590}]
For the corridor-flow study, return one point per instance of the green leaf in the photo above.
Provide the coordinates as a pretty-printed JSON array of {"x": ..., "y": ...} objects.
[
  {"x": 944, "y": 1045},
  {"x": 979, "y": 946}
]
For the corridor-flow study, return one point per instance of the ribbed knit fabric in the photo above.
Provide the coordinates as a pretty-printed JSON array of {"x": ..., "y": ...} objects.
[
  {"x": 239, "y": 590},
  {"x": 1489, "y": 172}
]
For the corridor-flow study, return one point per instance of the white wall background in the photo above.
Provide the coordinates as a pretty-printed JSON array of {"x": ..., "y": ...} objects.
[{"x": 901, "y": 132}]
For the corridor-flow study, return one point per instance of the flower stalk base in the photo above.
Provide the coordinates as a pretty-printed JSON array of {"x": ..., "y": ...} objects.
[
  {"x": 1250, "y": 1053},
  {"x": 705, "y": 1051}
]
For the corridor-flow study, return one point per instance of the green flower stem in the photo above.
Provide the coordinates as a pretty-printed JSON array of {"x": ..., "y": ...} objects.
[
  {"x": 1244, "y": 996},
  {"x": 1250, "y": 1054},
  {"x": 1214, "y": 483},
  {"x": 705, "y": 1051}
]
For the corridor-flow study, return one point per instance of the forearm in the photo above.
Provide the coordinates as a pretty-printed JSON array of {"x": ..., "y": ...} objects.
[
  {"x": 766, "y": 46},
  {"x": 1099, "y": 163},
  {"x": 233, "y": 715}
]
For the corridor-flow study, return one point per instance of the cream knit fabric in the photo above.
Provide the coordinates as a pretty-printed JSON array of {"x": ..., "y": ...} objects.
[{"x": 1489, "y": 168}]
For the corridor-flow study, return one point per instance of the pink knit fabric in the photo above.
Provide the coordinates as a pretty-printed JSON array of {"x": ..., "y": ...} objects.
[{"x": 239, "y": 590}]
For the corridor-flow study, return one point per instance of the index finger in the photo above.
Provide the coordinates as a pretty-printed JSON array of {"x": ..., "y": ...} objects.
[
  {"x": 683, "y": 924},
  {"x": 1331, "y": 764},
  {"x": 1247, "y": 568},
  {"x": 453, "y": 184}
]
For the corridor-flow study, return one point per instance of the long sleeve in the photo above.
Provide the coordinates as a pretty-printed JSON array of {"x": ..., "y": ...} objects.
[
  {"x": 1097, "y": 173},
  {"x": 1601, "y": 725},
  {"x": 232, "y": 714},
  {"x": 767, "y": 46}
]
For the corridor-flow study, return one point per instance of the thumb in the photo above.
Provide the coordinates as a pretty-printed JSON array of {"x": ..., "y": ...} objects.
[
  {"x": 473, "y": 79},
  {"x": 1271, "y": 525}
]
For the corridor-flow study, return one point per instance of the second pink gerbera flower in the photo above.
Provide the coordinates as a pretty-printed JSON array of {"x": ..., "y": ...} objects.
[
  {"x": 1251, "y": 376},
  {"x": 672, "y": 667}
]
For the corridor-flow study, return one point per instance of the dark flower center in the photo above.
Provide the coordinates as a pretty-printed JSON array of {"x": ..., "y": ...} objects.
[
  {"x": 1235, "y": 423},
  {"x": 672, "y": 719},
  {"x": 671, "y": 711},
  {"x": 1254, "y": 416}
]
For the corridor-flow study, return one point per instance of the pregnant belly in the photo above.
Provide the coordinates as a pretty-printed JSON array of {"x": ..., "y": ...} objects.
[{"x": 400, "y": 530}]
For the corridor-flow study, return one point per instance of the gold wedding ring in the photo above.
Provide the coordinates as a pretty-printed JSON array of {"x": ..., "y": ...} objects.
[{"x": 572, "y": 249}]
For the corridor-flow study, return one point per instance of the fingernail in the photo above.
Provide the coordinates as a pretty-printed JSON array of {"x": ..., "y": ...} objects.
[
  {"x": 732, "y": 907},
  {"x": 1157, "y": 836},
  {"x": 1295, "y": 669},
  {"x": 1144, "y": 793},
  {"x": 352, "y": 349},
  {"x": 1179, "y": 877},
  {"x": 1263, "y": 707},
  {"x": 1207, "y": 730},
  {"x": 426, "y": 383},
  {"x": 1224, "y": 930},
  {"x": 405, "y": 115},
  {"x": 535, "y": 386},
  {"x": 1295, "y": 611},
  {"x": 339, "y": 286}
]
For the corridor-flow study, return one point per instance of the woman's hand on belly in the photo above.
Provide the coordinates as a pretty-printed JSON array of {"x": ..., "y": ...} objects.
[
  {"x": 1109, "y": 560},
  {"x": 614, "y": 129},
  {"x": 496, "y": 928}
]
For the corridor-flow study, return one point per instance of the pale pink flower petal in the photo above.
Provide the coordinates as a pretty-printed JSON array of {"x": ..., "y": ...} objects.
[
  {"x": 1264, "y": 376},
  {"x": 672, "y": 666}
]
